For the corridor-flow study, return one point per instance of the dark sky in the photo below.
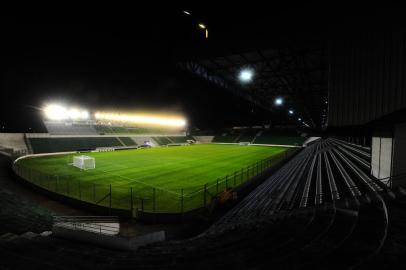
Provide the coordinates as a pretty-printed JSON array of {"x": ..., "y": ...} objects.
[
  {"x": 113, "y": 62},
  {"x": 125, "y": 58}
]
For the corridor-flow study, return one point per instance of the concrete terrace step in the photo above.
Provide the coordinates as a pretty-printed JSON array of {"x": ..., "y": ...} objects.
[{"x": 8, "y": 236}]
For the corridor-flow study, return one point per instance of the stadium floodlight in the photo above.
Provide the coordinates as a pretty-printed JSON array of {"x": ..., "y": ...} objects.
[
  {"x": 278, "y": 101},
  {"x": 246, "y": 75},
  {"x": 291, "y": 112},
  {"x": 84, "y": 115},
  {"x": 58, "y": 112},
  {"x": 143, "y": 119},
  {"x": 74, "y": 113},
  {"x": 55, "y": 112}
]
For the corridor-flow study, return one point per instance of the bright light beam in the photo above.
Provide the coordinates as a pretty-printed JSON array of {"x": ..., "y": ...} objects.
[
  {"x": 55, "y": 112},
  {"x": 58, "y": 112},
  {"x": 142, "y": 119}
]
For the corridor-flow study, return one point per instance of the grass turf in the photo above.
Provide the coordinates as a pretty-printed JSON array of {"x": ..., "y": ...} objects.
[{"x": 167, "y": 169}]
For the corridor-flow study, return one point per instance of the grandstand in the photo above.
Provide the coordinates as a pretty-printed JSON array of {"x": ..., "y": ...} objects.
[
  {"x": 290, "y": 153},
  {"x": 282, "y": 137},
  {"x": 162, "y": 140},
  {"x": 66, "y": 128},
  {"x": 276, "y": 136},
  {"x": 108, "y": 129},
  {"x": 338, "y": 214},
  {"x": 49, "y": 145}
]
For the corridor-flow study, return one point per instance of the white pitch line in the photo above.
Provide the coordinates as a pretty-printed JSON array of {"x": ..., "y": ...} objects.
[
  {"x": 131, "y": 179},
  {"x": 142, "y": 183}
]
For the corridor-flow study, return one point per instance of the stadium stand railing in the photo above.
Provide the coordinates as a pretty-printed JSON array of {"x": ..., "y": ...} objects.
[{"x": 107, "y": 225}]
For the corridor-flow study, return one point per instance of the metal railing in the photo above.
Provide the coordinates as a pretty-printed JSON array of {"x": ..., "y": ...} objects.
[
  {"x": 142, "y": 197},
  {"x": 388, "y": 181},
  {"x": 94, "y": 224}
]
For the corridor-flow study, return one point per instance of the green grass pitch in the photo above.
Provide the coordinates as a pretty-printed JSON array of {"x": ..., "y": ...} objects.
[{"x": 167, "y": 169}]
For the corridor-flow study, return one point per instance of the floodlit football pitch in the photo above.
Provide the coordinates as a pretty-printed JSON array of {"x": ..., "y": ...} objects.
[{"x": 161, "y": 179}]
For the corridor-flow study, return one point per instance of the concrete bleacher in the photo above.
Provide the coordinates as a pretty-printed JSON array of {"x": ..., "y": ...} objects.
[
  {"x": 262, "y": 136},
  {"x": 61, "y": 128},
  {"x": 322, "y": 173},
  {"x": 127, "y": 141},
  {"x": 279, "y": 137},
  {"x": 168, "y": 140},
  {"x": 19, "y": 216},
  {"x": 141, "y": 140},
  {"x": 321, "y": 210},
  {"x": 225, "y": 138},
  {"x": 279, "y": 140},
  {"x": 110, "y": 129},
  {"x": 13, "y": 141},
  {"x": 179, "y": 139},
  {"x": 162, "y": 140},
  {"x": 65, "y": 144}
]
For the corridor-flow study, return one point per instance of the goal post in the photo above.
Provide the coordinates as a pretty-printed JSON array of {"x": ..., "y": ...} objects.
[
  {"x": 84, "y": 162},
  {"x": 244, "y": 143}
]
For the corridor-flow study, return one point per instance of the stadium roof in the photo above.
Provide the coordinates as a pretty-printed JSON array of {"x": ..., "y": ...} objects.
[
  {"x": 286, "y": 46},
  {"x": 296, "y": 74}
]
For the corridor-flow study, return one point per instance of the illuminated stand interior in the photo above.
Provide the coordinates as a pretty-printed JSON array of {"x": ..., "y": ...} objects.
[{"x": 61, "y": 120}]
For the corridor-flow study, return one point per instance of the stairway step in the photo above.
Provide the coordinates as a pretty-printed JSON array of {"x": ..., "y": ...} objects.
[{"x": 29, "y": 235}]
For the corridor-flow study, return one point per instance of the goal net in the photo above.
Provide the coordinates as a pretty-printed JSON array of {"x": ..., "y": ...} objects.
[
  {"x": 84, "y": 162},
  {"x": 244, "y": 143}
]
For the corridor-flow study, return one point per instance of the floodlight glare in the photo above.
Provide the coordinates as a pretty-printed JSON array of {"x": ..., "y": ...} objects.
[
  {"x": 299, "y": 119},
  {"x": 246, "y": 75},
  {"x": 74, "y": 113},
  {"x": 142, "y": 119},
  {"x": 59, "y": 112},
  {"x": 84, "y": 115},
  {"x": 278, "y": 101},
  {"x": 290, "y": 111},
  {"x": 55, "y": 112},
  {"x": 186, "y": 12},
  {"x": 202, "y": 26}
]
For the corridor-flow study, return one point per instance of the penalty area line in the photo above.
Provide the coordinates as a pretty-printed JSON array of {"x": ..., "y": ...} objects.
[{"x": 142, "y": 183}]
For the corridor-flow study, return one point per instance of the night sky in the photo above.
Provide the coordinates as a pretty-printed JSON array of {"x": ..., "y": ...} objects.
[
  {"x": 112, "y": 62},
  {"x": 126, "y": 59}
]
